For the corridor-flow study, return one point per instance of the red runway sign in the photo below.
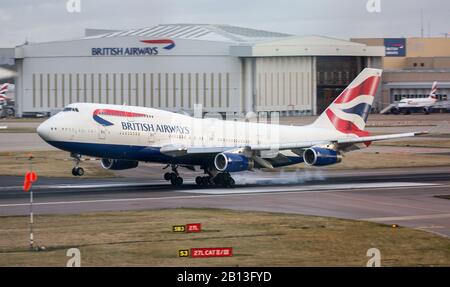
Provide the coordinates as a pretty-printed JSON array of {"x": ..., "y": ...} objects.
[
  {"x": 194, "y": 227},
  {"x": 212, "y": 252}
]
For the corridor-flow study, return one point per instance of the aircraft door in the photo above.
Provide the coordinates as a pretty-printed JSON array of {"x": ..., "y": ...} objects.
[
  {"x": 151, "y": 137},
  {"x": 102, "y": 133}
]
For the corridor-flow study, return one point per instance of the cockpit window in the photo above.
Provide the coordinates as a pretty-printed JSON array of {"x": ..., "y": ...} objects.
[{"x": 69, "y": 109}]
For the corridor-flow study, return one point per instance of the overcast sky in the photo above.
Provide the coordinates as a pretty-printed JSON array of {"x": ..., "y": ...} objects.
[{"x": 47, "y": 20}]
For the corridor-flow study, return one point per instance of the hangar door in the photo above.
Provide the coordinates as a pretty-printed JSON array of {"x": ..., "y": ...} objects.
[{"x": 284, "y": 84}]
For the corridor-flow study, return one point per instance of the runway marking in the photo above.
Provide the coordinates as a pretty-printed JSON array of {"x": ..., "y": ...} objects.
[
  {"x": 318, "y": 187},
  {"x": 407, "y": 218},
  {"x": 431, "y": 227},
  {"x": 294, "y": 190},
  {"x": 87, "y": 185},
  {"x": 377, "y": 202}
]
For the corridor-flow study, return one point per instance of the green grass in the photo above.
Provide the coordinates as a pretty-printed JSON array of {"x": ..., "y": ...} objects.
[
  {"x": 48, "y": 164},
  {"x": 18, "y": 130},
  {"x": 144, "y": 238}
]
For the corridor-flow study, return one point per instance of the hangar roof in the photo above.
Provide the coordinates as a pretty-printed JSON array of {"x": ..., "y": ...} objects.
[
  {"x": 210, "y": 32},
  {"x": 218, "y": 40},
  {"x": 312, "y": 45},
  {"x": 252, "y": 42}
]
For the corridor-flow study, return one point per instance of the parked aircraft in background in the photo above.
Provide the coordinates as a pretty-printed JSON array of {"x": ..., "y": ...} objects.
[
  {"x": 7, "y": 88},
  {"x": 407, "y": 106}
]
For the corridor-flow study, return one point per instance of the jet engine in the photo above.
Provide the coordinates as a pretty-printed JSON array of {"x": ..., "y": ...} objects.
[
  {"x": 118, "y": 164},
  {"x": 317, "y": 156},
  {"x": 232, "y": 162}
]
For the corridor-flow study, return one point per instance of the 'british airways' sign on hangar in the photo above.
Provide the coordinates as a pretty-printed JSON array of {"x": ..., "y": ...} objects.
[
  {"x": 395, "y": 47},
  {"x": 135, "y": 51}
]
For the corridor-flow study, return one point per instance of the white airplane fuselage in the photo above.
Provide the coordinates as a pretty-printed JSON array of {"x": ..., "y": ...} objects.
[
  {"x": 125, "y": 135},
  {"x": 417, "y": 103},
  {"x": 138, "y": 133}
]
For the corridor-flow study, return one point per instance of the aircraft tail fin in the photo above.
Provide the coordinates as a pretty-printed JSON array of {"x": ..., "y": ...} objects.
[
  {"x": 433, "y": 90},
  {"x": 349, "y": 111}
]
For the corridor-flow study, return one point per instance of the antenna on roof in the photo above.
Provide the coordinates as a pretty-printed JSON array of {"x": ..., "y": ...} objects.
[{"x": 421, "y": 23}]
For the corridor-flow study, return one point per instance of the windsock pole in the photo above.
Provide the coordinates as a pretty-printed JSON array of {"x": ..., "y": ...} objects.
[
  {"x": 31, "y": 220},
  {"x": 30, "y": 177}
]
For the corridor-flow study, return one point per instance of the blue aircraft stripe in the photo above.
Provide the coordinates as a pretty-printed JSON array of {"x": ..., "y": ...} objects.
[
  {"x": 361, "y": 110},
  {"x": 142, "y": 153},
  {"x": 102, "y": 121}
]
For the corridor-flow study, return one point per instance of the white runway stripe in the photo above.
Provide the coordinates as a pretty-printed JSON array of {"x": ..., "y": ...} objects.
[
  {"x": 306, "y": 188},
  {"x": 86, "y": 186},
  {"x": 406, "y": 218}
]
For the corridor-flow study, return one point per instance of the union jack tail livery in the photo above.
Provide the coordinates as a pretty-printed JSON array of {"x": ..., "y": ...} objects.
[
  {"x": 349, "y": 111},
  {"x": 433, "y": 91},
  {"x": 4, "y": 88}
]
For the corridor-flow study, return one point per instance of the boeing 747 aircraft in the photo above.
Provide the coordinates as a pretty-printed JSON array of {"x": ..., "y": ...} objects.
[{"x": 122, "y": 136}]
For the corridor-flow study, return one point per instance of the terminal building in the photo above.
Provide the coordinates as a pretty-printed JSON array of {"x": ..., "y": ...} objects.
[
  {"x": 411, "y": 65},
  {"x": 176, "y": 66}
]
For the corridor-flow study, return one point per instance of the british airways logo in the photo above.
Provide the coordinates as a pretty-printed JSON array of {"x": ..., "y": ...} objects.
[
  {"x": 166, "y": 44},
  {"x": 169, "y": 44},
  {"x": 146, "y": 127},
  {"x": 99, "y": 115}
]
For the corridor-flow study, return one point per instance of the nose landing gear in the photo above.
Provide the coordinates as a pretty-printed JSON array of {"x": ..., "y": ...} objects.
[{"x": 77, "y": 170}]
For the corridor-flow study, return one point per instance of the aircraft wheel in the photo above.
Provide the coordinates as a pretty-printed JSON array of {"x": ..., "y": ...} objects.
[
  {"x": 229, "y": 182},
  {"x": 10, "y": 112},
  {"x": 78, "y": 171},
  {"x": 219, "y": 178},
  {"x": 206, "y": 180},
  {"x": 176, "y": 181},
  {"x": 198, "y": 180},
  {"x": 167, "y": 176},
  {"x": 173, "y": 176}
]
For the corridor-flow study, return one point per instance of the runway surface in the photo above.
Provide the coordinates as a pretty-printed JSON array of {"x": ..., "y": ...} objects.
[{"x": 405, "y": 197}]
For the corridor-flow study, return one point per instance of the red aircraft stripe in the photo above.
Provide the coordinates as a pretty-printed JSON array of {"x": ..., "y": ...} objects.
[
  {"x": 344, "y": 126},
  {"x": 368, "y": 87},
  {"x": 109, "y": 112}
]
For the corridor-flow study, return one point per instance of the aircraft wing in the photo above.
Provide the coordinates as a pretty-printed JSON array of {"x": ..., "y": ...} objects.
[
  {"x": 179, "y": 150},
  {"x": 344, "y": 141}
]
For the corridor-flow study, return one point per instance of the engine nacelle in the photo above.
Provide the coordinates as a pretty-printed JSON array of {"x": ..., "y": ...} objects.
[
  {"x": 317, "y": 156},
  {"x": 232, "y": 162},
  {"x": 118, "y": 164}
]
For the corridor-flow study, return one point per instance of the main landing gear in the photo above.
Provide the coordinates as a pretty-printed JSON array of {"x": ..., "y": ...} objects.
[
  {"x": 77, "y": 170},
  {"x": 215, "y": 178},
  {"x": 173, "y": 177},
  {"x": 212, "y": 177}
]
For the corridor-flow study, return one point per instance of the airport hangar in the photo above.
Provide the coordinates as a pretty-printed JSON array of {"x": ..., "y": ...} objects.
[{"x": 174, "y": 66}]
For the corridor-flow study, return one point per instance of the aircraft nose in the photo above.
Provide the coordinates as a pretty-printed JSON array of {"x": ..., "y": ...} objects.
[{"x": 43, "y": 130}]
